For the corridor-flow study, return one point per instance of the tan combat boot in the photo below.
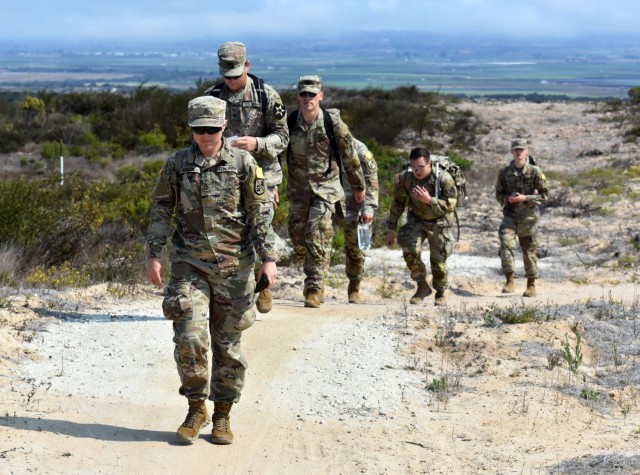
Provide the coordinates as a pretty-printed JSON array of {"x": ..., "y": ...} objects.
[
  {"x": 265, "y": 301},
  {"x": 312, "y": 298},
  {"x": 197, "y": 418},
  {"x": 531, "y": 288},
  {"x": 510, "y": 284},
  {"x": 221, "y": 433},
  {"x": 422, "y": 292},
  {"x": 440, "y": 298},
  {"x": 354, "y": 291}
]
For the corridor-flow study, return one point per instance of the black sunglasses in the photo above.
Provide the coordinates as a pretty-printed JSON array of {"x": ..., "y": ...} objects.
[
  {"x": 233, "y": 78},
  {"x": 308, "y": 94},
  {"x": 206, "y": 130}
]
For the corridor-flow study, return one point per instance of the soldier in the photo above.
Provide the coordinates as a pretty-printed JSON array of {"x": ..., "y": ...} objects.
[
  {"x": 431, "y": 200},
  {"x": 349, "y": 213},
  {"x": 256, "y": 119},
  {"x": 520, "y": 189},
  {"x": 212, "y": 199},
  {"x": 314, "y": 182}
]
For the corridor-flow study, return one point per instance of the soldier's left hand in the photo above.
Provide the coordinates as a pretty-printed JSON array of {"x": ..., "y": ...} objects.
[
  {"x": 359, "y": 195},
  {"x": 270, "y": 270},
  {"x": 517, "y": 198},
  {"x": 250, "y": 144},
  {"x": 276, "y": 198},
  {"x": 365, "y": 218}
]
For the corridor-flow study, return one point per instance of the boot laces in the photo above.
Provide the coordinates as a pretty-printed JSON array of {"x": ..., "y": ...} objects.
[
  {"x": 192, "y": 415},
  {"x": 222, "y": 424}
]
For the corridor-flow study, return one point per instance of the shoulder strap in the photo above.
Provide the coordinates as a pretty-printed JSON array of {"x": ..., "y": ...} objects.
[
  {"x": 335, "y": 151},
  {"x": 215, "y": 90},
  {"x": 258, "y": 83}
]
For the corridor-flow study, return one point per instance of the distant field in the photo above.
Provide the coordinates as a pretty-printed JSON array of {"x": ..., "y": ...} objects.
[{"x": 451, "y": 69}]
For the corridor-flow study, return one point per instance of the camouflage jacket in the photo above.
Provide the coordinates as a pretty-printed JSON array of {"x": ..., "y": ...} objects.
[
  {"x": 221, "y": 209},
  {"x": 529, "y": 181},
  {"x": 370, "y": 171},
  {"x": 245, "y": 118},
  {"x": 310, "y": 168},
  {"x": 440, "y": 209}
]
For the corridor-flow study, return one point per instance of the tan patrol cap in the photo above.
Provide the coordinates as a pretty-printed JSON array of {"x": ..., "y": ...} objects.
[
  {"x": 311, "y": 83},
  {"x": 232, "y": 57},
  {"x": 207, "y": 111}
]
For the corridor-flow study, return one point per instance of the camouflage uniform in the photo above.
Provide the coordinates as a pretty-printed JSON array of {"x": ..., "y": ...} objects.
[
  {"x": 349, "y": 210},
  {"x": 245, "y": 118},
  {"x": 221, "y": 213},
  {"x": 520, "y": 219},
  {"x": 314, "y": 187},
  {"x": 433, "y": 222}
]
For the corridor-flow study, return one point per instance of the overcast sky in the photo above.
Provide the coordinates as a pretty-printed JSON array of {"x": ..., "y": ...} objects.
[{"x": 146, "y": 20}]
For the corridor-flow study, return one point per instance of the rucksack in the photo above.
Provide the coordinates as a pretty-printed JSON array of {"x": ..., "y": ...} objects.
[
  {"x": 441, "y": 162},
  {"x": 258, "y": 83},
  {"x": 328, "y": 127}
]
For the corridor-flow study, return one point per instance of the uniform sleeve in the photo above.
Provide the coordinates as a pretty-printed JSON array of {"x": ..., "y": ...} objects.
[
  {"x": 276, "y": 138},
  {"x": 257, "y": 206},
  {"x": 399, "y": 203},
  {"x": 163, "y": 203},
  {"x": 349, "y": 155},
  {"x": 540, "y": 185},
  {"x": 370, "y": 170},
  {"x": 502, "y": 193}
]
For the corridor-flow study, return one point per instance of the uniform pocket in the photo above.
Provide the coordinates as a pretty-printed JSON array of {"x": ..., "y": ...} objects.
[{"x": 178, "y": 302}]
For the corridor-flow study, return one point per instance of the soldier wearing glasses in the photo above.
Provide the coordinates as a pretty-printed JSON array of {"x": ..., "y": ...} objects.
[
  {"x": 431, "y": 200},
  {"x": 313, "y": 186},
  {"x": 211, "y": 198},
  {"x": 256, "y": 119}
]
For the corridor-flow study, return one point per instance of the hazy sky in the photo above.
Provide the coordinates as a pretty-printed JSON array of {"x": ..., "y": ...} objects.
[{"x": 187, "y": 19}]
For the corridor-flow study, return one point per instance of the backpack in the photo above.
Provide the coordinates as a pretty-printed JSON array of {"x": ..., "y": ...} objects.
[
  {"x": 258, "y": 83},
  {"x": 328, "y": 127},
  {"x": 441, "y": 162}
]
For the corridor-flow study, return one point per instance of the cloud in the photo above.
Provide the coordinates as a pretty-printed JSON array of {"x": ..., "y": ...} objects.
[{"x": 146, "y": 20}]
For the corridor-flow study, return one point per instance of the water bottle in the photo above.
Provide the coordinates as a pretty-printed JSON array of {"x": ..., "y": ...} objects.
[{"x": 364, "y": 236}]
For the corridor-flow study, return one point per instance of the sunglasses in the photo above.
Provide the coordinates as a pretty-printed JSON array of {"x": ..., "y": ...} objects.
[
  {"x": 206, "y": 130},
  {"x": 308, "y": 94},
  {"x": 233, "y": 78}
]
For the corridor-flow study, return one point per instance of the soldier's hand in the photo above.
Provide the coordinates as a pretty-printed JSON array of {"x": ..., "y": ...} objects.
[
  {"x": 390, "y": 237},
  {"x": 517, "y": 198},
  {"x": 250, "y": 144},
  {"x": 276, "y": 198},
  {"x": 270, "y": 270},
  {"x": 359, "y": 195},
  {"x": 154, "y": 271},
  {"x": 421, "y": 194},
  {"x": 365, "y": 218}
]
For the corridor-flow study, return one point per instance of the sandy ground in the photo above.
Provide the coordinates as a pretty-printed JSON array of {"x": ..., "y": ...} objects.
[{"x": 89, "y": 383}]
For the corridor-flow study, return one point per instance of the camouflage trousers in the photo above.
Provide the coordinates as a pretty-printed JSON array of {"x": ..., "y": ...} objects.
[
  {"x": 209, "y": 311},
  {"x": 526, "y": 230},
  {"x": 311, "y": 232},
  {"x": 354, "y": 257},
  {"x": 440, "y": 236}
]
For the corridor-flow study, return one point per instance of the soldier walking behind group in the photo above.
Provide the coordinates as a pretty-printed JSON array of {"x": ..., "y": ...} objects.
[
  {"x": 431, "y": 200},
  {"x": 313, "y": 170},
  {"x": 350, "y": 213},
  {"x": 212, "y": 200},
  {"x": 521, "y": 187},
  {"x": 257, "y": 117}
]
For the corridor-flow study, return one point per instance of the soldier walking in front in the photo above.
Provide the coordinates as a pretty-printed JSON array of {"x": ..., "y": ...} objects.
[
  {"x": 521, "y": 187},
  {"x": 211, "y": 198}
]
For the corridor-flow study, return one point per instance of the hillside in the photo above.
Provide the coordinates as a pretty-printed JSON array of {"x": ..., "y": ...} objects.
[{"x": 89, "y": 384}]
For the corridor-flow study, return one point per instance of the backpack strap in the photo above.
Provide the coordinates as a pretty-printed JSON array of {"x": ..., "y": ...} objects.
[{"x": 335, "y": 152}]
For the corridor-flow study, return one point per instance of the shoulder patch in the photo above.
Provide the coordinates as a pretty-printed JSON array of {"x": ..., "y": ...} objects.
[
  {"x": 259, "y": 187},
  {"x": 259, "y": 173},
  {"x": 279, "y": 111}
]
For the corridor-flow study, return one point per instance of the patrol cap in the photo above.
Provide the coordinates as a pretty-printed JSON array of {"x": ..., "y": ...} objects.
[
  {"x": 232, "y": 57},
  {"x": 311, "y": 83},
  {"x": 207, "y": 111},
  {"x": 519, "y": 143}
]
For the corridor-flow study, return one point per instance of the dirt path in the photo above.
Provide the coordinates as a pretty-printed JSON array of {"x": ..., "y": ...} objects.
[{"x": 335, "y": 390}]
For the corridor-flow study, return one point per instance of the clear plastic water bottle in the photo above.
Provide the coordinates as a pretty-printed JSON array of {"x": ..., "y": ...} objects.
[{"x": 364, "y": 236}]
